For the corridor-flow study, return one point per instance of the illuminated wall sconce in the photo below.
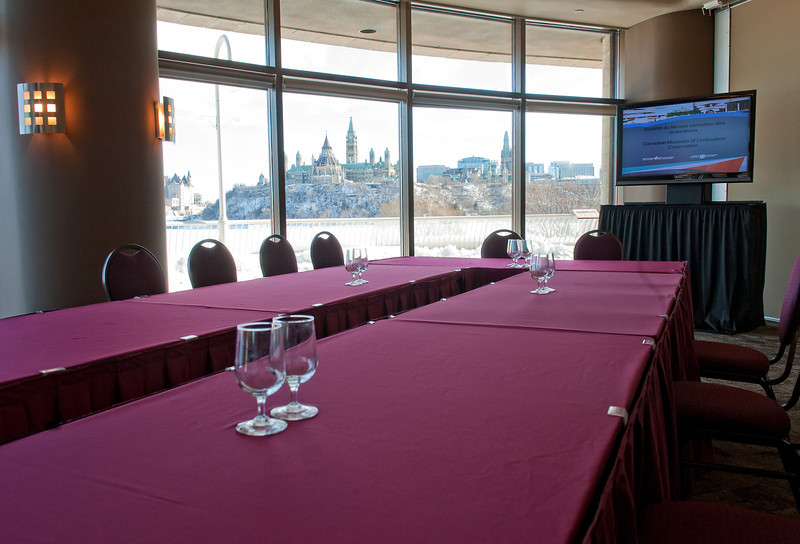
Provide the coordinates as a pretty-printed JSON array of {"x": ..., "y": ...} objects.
[
  {"x": 41, "y": 107},
  {"x": 165, "y": 119}
]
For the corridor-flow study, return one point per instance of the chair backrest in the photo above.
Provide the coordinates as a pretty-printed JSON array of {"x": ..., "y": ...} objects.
[
  {"x": 326, "y": 251},
  {"x": 598, "y": 245},
  {"x": 277, "y": 256},
  {"x": 210, "y": 263},
  {"x": 132, "y": 271},
  {"x": 496, "y": 244},
  {"x": 790, "y": 310}
]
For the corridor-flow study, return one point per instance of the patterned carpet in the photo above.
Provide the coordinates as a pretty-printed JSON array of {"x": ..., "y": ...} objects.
[{"x": 765, "y": 494}]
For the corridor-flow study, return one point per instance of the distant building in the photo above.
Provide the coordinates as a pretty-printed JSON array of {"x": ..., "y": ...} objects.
[
  {"x": 328, "y": 169},
  {"x": 426, "y": 171},
  {"x": 506, "y": 160},
  {"x": 179, "y": 193}
]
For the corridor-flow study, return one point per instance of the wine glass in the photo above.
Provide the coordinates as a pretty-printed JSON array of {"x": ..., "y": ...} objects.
[
  {"x": 539, "y": 271},
  {"x": 363, "y": 262},
  {"x": 525, "y": 252},
  {"x": 259, "y": 371},
  {"x": 513, "y": 251},
  {"x": 351, "y": 264},
  {"x": 297, "y": 346},
  {"x": 551, "y": 270}
]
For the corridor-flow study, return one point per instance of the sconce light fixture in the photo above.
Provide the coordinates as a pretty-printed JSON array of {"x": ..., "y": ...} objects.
[
  {"x": 41, "y": 107},
  {"x": 165, "y": 119}
]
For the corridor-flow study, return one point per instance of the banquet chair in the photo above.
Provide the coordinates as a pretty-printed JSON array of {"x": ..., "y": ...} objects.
[
  {"x": 210, "y": 263},
  {"x": 132, "y": 271},
  {"x": 745, "y": 364},
  {"x": 496, "y": 244},
  {"x": 694, "y": 522},
  {"x": 712, "y": 411},
  {"x": 277, "y": 256},
  {"x": 326, "y": 251},
  {"x": 598, "y": 245}
]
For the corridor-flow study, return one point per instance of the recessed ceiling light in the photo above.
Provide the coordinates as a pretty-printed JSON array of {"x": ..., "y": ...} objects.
[
  {"x": 368, "y": 31},
  {"x": 579, "y": 10}
]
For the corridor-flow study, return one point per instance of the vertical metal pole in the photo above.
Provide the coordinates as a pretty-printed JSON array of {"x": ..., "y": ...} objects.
[{"x": 223, "y": 216}]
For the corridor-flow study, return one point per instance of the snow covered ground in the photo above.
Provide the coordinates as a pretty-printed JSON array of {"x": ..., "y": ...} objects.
[{"x": 434, "y": 236}]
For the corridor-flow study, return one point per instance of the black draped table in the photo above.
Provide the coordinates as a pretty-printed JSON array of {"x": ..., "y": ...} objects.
[
  {"x": 725, "y": 244},
  {"x": 444, "y": 424}
]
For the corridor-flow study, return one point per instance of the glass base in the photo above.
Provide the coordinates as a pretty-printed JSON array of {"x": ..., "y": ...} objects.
[
  {"x": 539, "y": 292},
  {"x": 548, "y": 289},
  {"x": 261, "y": 426},
  {"x": 294, "y": 411}
]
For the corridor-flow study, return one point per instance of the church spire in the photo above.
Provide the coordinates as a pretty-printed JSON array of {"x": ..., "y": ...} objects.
[{"x": 351, "y": 156}]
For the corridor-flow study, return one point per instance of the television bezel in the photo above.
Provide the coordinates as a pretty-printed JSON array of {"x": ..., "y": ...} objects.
[{"x": 685, "y": 179}]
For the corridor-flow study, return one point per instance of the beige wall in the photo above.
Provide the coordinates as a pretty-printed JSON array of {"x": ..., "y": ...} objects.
[
  {"x": 66, "y": 200},
  {"x": 667, "y": 57},
  {"x": 764, "y": 48}
]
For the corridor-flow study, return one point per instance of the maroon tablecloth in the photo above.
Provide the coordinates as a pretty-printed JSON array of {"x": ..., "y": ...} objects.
[
  {"x": 426, "y": 433},
  {"x": 607, "y": 302}
]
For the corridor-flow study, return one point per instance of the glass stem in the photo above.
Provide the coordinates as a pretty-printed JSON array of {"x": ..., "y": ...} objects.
[
  {"x": 293, "y": 387},
  {"x": 261, "y": 403}
]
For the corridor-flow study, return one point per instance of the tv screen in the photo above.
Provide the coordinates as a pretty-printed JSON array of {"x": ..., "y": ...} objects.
[{"x": 689, "y": 140}]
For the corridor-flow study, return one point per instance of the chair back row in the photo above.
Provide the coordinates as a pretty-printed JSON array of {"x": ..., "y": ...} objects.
[
  {"x": 132, "y": 270},
  {"x": 594, "y": 245}
]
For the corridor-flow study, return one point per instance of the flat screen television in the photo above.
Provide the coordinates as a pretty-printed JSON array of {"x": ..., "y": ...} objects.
[{"x": 686, "y": 141}]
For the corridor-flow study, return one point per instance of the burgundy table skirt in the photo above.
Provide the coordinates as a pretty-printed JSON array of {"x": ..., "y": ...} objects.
[{"x": 444, "y": 433}]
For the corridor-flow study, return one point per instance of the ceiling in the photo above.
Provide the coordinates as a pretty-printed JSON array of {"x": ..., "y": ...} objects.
[
  {"x": 340, "y": 22},
  {"x": 611, "y": 13}
]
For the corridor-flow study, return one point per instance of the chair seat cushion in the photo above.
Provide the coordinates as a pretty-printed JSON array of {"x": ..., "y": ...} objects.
[
  {"x": 719, "y": 358},
  {"x": 712, "y": 523},
  {"x": 727, "y": 409}
]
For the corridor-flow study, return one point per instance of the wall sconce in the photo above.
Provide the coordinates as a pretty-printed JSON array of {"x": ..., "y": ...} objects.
[
  {"x": 41, "y": 107},
  {"x": 165, "y": 119}
]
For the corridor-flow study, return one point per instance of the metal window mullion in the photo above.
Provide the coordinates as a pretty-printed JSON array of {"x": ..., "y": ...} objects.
[
  {"x": 518, "y": 128},
  {"x": 275, "y": 111},
  {"x": 406, "y": 128}
]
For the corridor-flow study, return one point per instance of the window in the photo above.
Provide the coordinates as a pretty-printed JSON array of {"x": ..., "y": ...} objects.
[
  {"x": 563, "y": 172},
  {"x": 342, "y": 173},
  {"x": 334, "y": 94},
  {"x": 568, "y": 62},
  {"x": 463, "y": 167},
  {"x": 345, "y": 37},
  {"x": 196, "y": 170},
  {"x": 461, "y": 51}
]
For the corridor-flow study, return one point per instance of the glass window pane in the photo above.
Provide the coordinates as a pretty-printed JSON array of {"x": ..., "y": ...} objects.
[
  {"x": 463, "y": 169},
  {"x": 345, "y": 37},
  {"x": 564, "y": 178},
  {"x": 460, "y": 51},
  {"x": 196, "y": 29},
  {"x": 567, "y": 62},
  {"x": 342, "y": 173},
  {"x": 232, "y": 154}
]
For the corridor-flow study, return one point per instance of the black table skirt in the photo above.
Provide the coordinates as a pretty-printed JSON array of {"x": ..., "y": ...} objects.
[{"x": 724, "y": 243}]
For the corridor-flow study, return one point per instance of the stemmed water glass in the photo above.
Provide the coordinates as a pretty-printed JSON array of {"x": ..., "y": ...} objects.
[
  {"x": 513, "y": 251},
  {"x": 259, "y": 371},
  {"x": 352, "y": 257},
  {"x": 363, "y": 262},
  {"x": 297, "y": 348},
  {"x": 539, "y": 267},
  {"x": 551, "y": 270},
  {"x": 525, "y": 252}
]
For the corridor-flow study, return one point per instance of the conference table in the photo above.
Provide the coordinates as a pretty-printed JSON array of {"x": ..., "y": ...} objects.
[{"x": 490, "y": 415}]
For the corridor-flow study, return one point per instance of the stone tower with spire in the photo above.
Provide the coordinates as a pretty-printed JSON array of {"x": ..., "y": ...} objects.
[
  {"x": 327, "y": 169},
  {"x": 352, "y": 145},
  {"x": 506, "y": 160}
]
